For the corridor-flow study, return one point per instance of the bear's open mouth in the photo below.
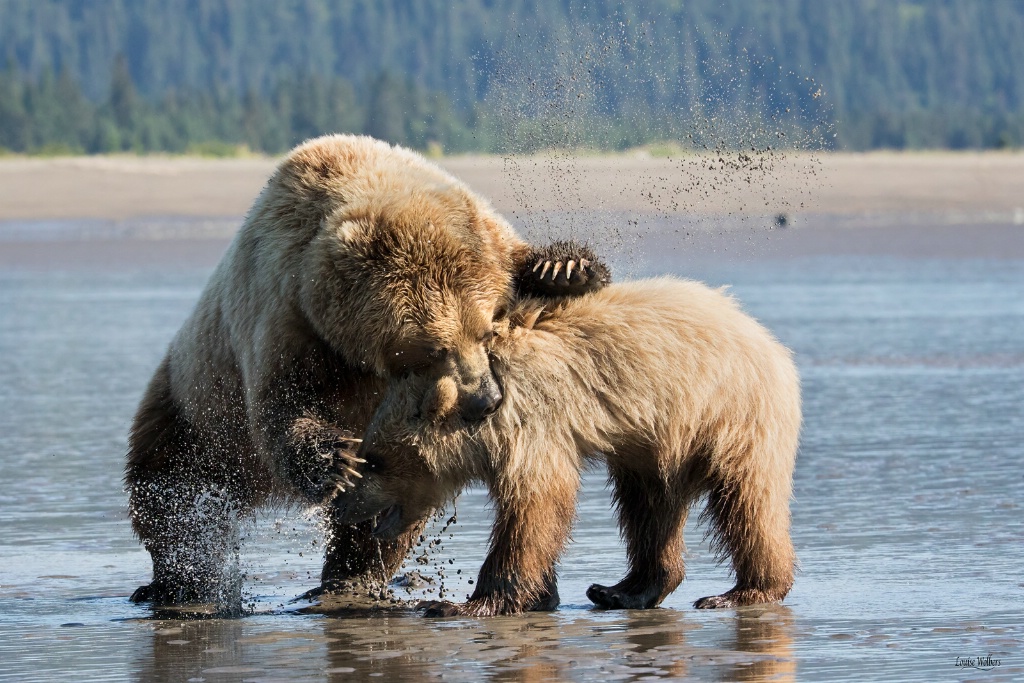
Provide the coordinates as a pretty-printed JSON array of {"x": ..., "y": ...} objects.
[{"x": 388, "y": 521}]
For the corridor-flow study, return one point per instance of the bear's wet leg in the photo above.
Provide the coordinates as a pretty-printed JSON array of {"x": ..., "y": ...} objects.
[
  {"x": 185, "y": 498},
  {"x": 357, "y": 560},
  {"x": 652, "y": 514},
  {"x": 190, "y": 527},
  {"x": 530, "y": 531},
  {"x": 548, "y": 600},
  {"x": 750, "y": 518}
]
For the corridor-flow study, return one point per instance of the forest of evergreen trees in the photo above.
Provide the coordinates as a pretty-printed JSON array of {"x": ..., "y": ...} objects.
[
  {"x": 48, "y": 114},
  {"x": 215, "y": 76}
]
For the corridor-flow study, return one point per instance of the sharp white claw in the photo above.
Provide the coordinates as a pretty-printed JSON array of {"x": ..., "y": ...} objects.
[
  {"x": 554, "y": 273},
  {"x": 584, "y": 263},
  {"x": 351, "y": 471},
  {"x": 540, "y": 262},
  {"x": 547, "y": 265},
  {"x": 568, "y": 269}
]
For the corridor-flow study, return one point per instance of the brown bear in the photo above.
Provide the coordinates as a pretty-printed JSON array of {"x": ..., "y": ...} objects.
[
  {"x": 669, "y": 382},
  {"x": 358, "y": 262}
]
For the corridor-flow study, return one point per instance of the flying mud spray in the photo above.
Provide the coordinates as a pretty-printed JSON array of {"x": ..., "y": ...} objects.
[{"x": 718, "y": 147}]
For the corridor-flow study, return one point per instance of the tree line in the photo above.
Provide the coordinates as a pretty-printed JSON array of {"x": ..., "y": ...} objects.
[
  {"x": 510, "y": 75},
  {"x": 49, "y": 114}
]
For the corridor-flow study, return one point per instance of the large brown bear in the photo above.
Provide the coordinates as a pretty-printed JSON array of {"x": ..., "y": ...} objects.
[
  {"x": 358, "y": 262},
  {"x": 667, "y": 381}
]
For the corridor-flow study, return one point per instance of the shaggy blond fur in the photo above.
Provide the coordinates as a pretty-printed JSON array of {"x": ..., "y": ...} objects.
[
  {"x": 358, "y": 261},
  {"x": 668, "y": 382}
]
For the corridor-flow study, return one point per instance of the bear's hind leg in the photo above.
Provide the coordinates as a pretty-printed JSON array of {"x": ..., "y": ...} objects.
[
  {"x": 652, "y": 514},
  {"x": 750, "y": 523},
  {"x": 192, "y": 539},
  {"x": 190, "y": 526},
  {"x": 184, "y": 504}
]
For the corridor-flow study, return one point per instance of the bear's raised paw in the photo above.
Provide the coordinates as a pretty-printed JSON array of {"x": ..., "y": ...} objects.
[
  {"x": 562, "y": 269},
  {"x": 326, "y": 462}
]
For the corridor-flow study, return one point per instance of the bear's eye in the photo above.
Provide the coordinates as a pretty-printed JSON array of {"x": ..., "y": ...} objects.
[
  {"x": 486, "y": 337},
  {"x": 415, "y": 358}
]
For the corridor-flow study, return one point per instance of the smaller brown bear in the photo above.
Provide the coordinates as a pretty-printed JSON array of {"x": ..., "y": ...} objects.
[{"x": 667, "y": 381}]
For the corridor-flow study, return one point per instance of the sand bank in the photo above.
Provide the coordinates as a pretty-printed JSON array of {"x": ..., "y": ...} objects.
[{"x": 118, "y": 188}]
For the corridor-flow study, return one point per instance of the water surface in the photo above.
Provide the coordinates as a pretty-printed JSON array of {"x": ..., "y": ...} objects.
[{"x": 907, "y": 514}]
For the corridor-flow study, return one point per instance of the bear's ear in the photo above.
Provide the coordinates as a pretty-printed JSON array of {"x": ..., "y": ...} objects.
[{"x": 527, "y": 316}]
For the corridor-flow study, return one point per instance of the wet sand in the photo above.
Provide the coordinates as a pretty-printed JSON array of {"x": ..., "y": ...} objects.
[
  {"x": 117, "y": 188},
  {"x": 140, "y": 211},
  {"x": 669, "y": 249}
]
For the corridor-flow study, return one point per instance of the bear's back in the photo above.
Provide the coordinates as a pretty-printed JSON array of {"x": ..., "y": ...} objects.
[{"x": 659, "y": 358}]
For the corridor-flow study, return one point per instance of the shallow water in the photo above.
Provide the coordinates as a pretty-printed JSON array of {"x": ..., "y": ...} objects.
[{"x": 907, "y": 513}]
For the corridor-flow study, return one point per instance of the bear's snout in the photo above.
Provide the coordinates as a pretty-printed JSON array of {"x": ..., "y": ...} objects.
[{"x": 482, "y": 402}]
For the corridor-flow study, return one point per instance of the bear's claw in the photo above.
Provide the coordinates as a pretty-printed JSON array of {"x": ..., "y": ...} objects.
[
  {"x": 326, "y": 462},
  {"x": 741, "y": 597},
  {"x": 343, "y": 459},
  {"x": 563, "y": 269},
  {"x": 714, "y": 602}
]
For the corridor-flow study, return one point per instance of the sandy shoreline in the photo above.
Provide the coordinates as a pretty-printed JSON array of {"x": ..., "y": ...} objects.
[
  {"x": 143, "y": 212},
  {"x": 118, "y": 188}
]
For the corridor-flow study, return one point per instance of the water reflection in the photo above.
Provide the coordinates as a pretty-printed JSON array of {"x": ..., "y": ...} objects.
[
  {"x": 768, "y": 633},
  {"x": 754, "y": 644}
]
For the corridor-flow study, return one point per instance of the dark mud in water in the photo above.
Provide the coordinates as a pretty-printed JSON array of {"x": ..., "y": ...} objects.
[{"x": 907, "y": 516}]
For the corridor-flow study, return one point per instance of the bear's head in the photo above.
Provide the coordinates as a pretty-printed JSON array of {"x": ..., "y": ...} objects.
[
  {"x": 411, "y": 284},
  {"x": 414, "y": 461}
]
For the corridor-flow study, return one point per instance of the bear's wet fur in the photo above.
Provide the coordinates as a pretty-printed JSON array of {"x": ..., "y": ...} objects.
[
  {"x": 668, "y": 382},
  {"x": 358, "y": 262}
]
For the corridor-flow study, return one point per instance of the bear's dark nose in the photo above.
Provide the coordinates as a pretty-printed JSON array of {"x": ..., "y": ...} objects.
[{"x": 482, "y": 403}]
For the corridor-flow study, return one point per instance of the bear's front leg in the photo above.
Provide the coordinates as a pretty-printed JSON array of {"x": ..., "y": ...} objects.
[
  {"x": 547, "y": 601},
  {"x": 652, "y": 516},
  {"x": 530, "y": 531},
  {"x": 323, "y": 467},
  {"x": 355, "y": 559},
  {"x": 564, "y": 268}
]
